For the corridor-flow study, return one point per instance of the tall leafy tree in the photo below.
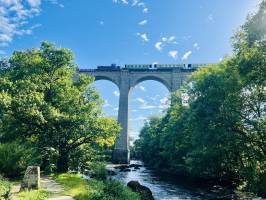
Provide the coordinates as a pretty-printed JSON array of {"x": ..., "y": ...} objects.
[{"x": 51, "y": 105}]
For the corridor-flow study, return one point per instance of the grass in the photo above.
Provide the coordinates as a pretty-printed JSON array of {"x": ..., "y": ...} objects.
[
  {"x": 33, "y": 195},
  {"x": 93, "y": 189},
  {"x": 73, "y": 184}
]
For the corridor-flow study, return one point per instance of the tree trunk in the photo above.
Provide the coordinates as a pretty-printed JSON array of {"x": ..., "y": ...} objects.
[{"x": 62, "y": 161}]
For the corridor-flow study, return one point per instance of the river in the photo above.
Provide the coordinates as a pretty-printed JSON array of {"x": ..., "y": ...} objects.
[{"x": 165, "y": 188}]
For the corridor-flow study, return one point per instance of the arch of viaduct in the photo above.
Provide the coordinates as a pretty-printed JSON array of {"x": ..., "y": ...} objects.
[{"x": 126, "y": 80}]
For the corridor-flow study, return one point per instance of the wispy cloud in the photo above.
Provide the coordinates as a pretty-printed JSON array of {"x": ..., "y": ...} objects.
[
  {"x": 164, "y": 42},
  {"x": 158, "y": 46},
  {"x": 140, "y": 100},
  {"x": 106, "y": 104},
  {"x": 121, "y": 1},
  {"x": 143, "y": 36},
  {"x": 142, "y": 88},
  {"x": 143, "y": 22},
  {"x": 139, "y": 118},
  {"x": 173, "y": 54},
  {"x": 15, "y": 17},
  {"x": 196, "y": 46},
  {"x": 186, "y": 55},
  {"x": 116, "y": 93},
  {"x": 210, "y": 17}
]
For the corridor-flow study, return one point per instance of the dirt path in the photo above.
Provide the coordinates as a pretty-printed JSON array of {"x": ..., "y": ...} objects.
[{"x": 48, "y": 185}]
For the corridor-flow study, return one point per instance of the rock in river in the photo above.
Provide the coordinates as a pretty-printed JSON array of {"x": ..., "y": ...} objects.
[{"x": 145, "y": 192}]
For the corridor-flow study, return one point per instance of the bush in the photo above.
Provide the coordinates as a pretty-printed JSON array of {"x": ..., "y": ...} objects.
[
  {"x": 4, "y": 188},
  {"x": 98, "y": 171},
  {"x": 14, "y": 159},
  {"x": 110, "y": 190}
]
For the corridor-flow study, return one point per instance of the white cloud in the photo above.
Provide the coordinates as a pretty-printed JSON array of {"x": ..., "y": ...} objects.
[
  {"x": 115, "y": 109},
  {"x": 145, "y": 10},
  {"x": 173, "y": 54},
  {"x": 142, "y": 88},
  {"x": 55, "y": 2},
  {"x": 121, "y": 1},
  {"x": 141, "y": 4},
  {"x": 15, "y": 17},
  {"x": 164, "y": 100},
  {"x": 144, "y": 37},
  {"x": 139, "y": 118},
  {"x": 135, "y": 2},
  {"x": 140, "y": 100},
  {"x": 102, "y": 23},
  {"x": 186, "y": 55},
  {"x": 196, "y": 46},
  {"x": 124, "y": 1},
  {"x": 164, "y": 39},
  {"x": 210, "y": 17},
  {"x": 106, "y": 104},
  {"x": 171, "y": 39},
  {"x": 116, "y": 93},
  {"x": 164, "y": 42},
  {"x": 158, "y": 46},
  {"x": 34, "y": 3},
  {"x": 143, "y": 22},
  {"x": 146, "y": 107}
]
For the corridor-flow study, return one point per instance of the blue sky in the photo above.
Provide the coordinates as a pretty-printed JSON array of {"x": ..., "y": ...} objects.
[{"x": 100, "y": 32}]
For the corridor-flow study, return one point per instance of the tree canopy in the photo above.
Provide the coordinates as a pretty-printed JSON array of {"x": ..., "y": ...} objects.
[{"x": 45, "y": 101}]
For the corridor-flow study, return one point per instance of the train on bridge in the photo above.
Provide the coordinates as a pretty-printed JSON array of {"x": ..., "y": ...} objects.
[{"x": 146, "y": 67}]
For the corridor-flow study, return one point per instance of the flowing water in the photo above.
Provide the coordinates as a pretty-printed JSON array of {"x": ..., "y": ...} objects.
[{"x": 167, "y": 188}]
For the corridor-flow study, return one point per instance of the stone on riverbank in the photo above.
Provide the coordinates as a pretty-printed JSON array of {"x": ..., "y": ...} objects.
[{"x": 145, "y": 192}]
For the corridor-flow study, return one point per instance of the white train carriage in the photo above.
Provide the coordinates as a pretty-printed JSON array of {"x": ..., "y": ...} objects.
[
  {"x": 138, "y": 66},
  {"x": 168, "y": 66}
]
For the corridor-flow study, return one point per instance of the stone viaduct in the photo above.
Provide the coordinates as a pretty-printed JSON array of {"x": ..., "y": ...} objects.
[{"x": 127, "y": 79}]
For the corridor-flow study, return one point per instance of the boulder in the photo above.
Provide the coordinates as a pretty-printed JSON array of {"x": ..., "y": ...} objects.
[
  {"x": 111, "y": 172},
  {"x": 125, "y": 170},
  {"x": 31, "y": 178},
  {"x": 144, "y": 192},
  {"x": 135, "y": 165}
]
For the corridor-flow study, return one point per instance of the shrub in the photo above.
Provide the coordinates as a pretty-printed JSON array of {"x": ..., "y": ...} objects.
[
  {"x": 110, "y": 190},
  {"x": 14, "y": 159},
  {"x": 98, "y": 171},
  {"x": 4, "y": 188}
]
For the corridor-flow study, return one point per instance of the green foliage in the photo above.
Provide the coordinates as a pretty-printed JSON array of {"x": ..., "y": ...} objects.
[
  {"x": 5, "y": 187},
  {"x": 98, "y": 171},
  {"x": 94, "y": 189},
  {"x": 110, "y": 190},
  {"x": 45, "y": 102},
  {"x": 14, "y": 159}
]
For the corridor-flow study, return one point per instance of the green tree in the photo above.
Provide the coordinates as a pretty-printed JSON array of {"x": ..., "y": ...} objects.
[{"x": 51, "y": 105}]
